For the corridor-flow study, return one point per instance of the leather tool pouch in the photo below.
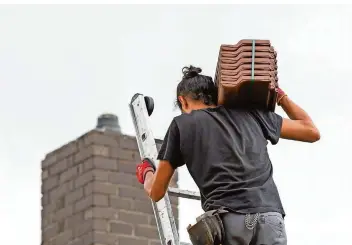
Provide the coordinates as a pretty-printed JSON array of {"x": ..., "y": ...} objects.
[{"x": 209, "y": 229}]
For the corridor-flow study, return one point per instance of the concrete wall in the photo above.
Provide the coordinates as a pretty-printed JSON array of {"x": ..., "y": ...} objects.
[{"x": 90, "y": 195}]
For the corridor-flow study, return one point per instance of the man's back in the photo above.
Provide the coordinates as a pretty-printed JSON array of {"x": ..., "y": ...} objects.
[{"x": 225, "y": 151}]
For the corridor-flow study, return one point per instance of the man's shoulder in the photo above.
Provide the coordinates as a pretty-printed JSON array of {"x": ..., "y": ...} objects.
[{"x": 182, "y": 119}]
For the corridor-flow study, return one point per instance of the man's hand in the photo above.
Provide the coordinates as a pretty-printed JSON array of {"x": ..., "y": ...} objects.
[
  {"x": 143, "y": 168},
  {"x": 300, "y": 126},
  {"x": 155, "y": 181}
]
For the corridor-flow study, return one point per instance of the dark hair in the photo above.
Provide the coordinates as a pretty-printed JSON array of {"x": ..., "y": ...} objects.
[{"x": 196, "y": 86}]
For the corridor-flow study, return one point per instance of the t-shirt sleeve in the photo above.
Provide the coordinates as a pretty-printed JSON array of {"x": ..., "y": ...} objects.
[
  {"x": 170, "y": 148},
  {"x": 271, "y": 124}
]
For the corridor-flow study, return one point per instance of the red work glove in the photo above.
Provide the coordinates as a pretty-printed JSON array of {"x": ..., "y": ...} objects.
[
  {"x": 280, "y": 95},
  {"x": 143, "y": 168}
]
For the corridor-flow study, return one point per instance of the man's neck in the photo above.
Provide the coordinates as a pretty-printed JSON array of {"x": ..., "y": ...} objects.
[{"x": 202, "y": 106}]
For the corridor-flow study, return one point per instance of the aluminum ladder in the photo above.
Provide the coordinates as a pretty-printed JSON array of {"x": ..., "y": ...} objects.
[{"x": 141, "y": 108}]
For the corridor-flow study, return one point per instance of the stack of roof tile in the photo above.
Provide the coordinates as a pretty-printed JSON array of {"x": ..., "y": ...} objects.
[{"x": 246, "y": 75}]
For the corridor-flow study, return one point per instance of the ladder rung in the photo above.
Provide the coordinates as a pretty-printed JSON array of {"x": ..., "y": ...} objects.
[
  {"x": 158, "y": 141},
  {"x": 184, "y": 193}
]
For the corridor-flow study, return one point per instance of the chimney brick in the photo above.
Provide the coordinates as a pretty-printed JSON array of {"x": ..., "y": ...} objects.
[{"x": 90, "y": 195}]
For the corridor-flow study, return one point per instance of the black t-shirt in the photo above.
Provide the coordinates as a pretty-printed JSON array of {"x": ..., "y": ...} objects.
[{"x": 225, "y": 151}]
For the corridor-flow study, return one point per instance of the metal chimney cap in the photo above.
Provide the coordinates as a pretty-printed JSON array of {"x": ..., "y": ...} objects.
[{"x": 108, "y": 121}]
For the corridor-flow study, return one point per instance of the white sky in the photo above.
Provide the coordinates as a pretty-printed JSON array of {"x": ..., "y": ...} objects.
[{"x": 62, "y": 66}]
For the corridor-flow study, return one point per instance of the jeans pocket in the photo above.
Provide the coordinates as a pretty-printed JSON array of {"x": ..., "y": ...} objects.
[{"x": 276, "y": 223}]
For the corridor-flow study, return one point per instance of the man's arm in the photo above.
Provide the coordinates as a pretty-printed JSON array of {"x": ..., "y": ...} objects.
[
  {"x": 156, "y": 184},
  {"x": 300, "y": 126}
]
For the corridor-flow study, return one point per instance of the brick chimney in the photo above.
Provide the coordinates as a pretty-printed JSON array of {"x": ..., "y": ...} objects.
[{"x": 90, "y": 195}]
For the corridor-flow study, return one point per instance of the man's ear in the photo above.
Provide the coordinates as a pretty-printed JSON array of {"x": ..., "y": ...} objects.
[{"x": 183, "y": 102}]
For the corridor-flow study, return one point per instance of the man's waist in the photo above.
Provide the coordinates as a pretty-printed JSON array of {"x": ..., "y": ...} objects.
[{"x": 245, "y": 203}]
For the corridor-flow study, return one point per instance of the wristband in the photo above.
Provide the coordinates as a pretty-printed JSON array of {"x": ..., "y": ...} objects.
[
  {"x": 147, "y": 170},
  {"x": 281, "y": 94},
  {"x": 279, "y": 100}
]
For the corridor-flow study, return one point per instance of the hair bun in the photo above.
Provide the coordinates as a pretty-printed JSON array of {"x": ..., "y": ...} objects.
[{"x": 191, "y": 71}]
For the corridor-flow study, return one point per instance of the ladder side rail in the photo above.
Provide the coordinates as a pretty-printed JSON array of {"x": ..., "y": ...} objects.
[{"x": 147, "y": 148}]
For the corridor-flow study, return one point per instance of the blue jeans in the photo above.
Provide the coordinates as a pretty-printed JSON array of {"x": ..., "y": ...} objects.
[{"x": 261, "y": 229}]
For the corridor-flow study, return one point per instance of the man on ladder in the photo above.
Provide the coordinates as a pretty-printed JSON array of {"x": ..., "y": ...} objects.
[{"x": 225, "y": 151}]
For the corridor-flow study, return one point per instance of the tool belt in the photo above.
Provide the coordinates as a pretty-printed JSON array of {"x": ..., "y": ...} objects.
[{"x": 209, "y": 229}]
